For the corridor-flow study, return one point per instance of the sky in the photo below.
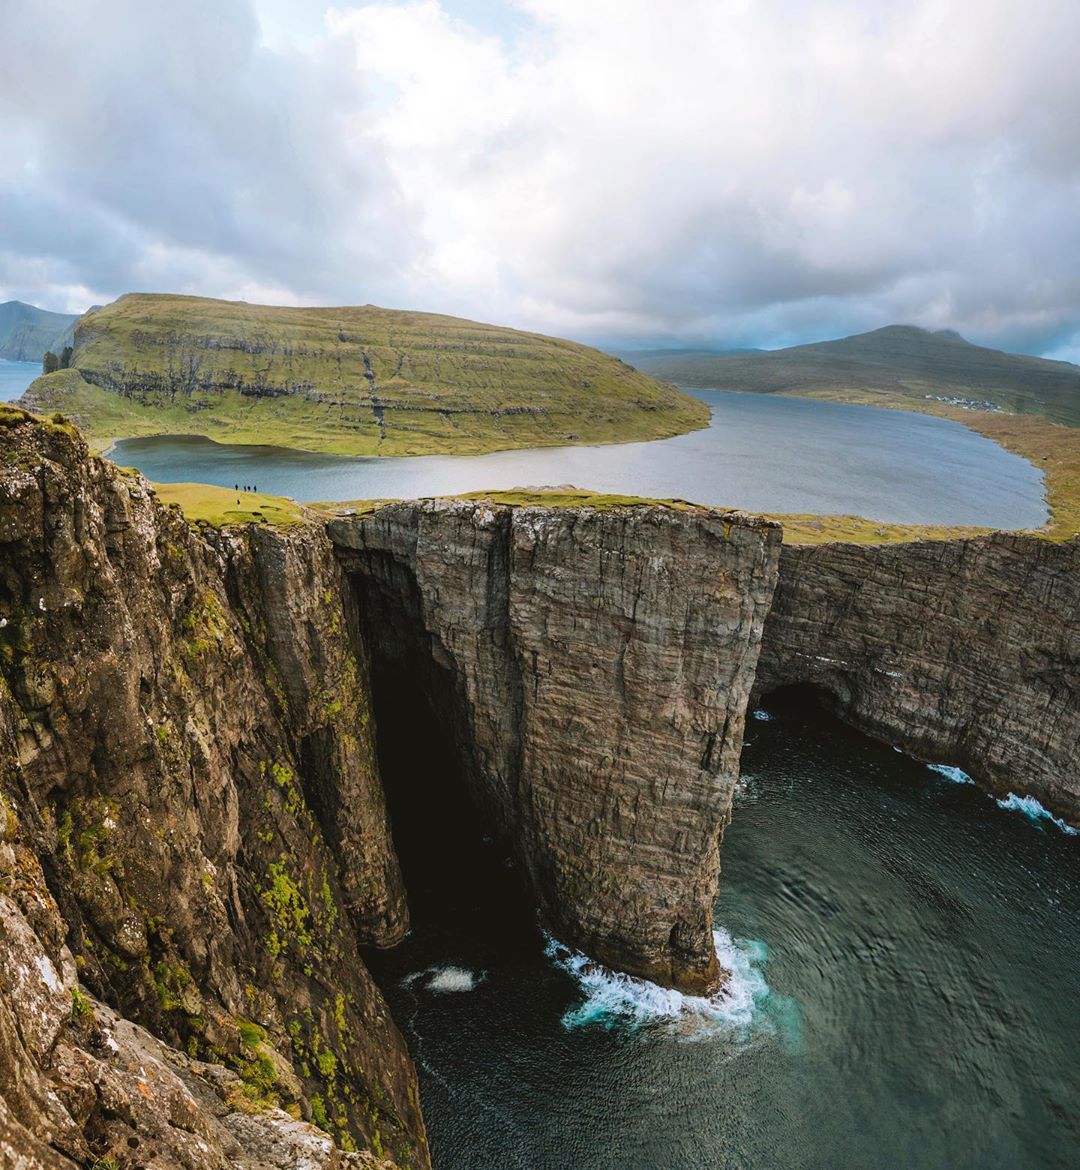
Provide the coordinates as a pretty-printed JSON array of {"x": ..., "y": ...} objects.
[{"x": 625, "y": 172}]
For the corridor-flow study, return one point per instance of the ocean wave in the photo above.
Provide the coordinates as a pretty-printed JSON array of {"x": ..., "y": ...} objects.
[
  {"x": 1035, "y": 811},
  {"x": 761, "y": 715},
  {"x": 613, "y": 999},
  {"x": 956, "y": 775},
  {"x": 445, "y": 979}
]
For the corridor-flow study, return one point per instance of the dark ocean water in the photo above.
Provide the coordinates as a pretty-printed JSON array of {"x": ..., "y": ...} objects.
[
  {"x": 906, "y": 988},
  {"x": 759, "y": 453}
]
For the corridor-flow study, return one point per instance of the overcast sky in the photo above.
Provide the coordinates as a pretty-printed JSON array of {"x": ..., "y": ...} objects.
[{"x": 728, "y": 172}]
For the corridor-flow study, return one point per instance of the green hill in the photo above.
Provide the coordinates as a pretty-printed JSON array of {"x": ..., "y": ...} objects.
[
  {"x": 347, "y": 380},
  {"x": 897, "y": 365},
  {"x": 27, "y": 332}
]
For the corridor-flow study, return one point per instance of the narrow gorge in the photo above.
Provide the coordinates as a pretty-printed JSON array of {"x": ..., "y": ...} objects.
[{"x": 201, "y": 731}]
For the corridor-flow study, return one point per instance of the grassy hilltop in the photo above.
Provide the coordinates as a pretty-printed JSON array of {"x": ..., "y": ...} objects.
[
  {"x": 358, "y": 381},
  {"x": 899, "y": 365}
]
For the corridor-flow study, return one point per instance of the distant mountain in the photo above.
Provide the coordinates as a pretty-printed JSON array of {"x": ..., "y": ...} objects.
[
  {"x": 630, "y": 355},
  {"x": 27, "y": 332},
  {"x": 897, "y": 362}
]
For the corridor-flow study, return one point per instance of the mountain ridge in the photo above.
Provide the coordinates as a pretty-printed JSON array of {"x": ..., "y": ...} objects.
[
  {"x": 27, "y": 332},
  {"x": 900, "y": 364}
]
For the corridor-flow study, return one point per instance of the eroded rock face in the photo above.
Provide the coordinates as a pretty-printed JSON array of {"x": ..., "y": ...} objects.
[
  {"x": 593, "y": 668},
  {"x": 961, "y": 652},
  {"x": 80, "y": 1085},
  {"x": 186, "y": 755}
]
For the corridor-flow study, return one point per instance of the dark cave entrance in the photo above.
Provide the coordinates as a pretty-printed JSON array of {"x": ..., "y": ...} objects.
[
  {"x": 457, "y": 871},
  {"x": 812, "y": 707}
]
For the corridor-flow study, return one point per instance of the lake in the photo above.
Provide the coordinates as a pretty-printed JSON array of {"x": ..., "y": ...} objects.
[
  {"x": 15, "y": 377},
  {"x": 760, "y": 453}
]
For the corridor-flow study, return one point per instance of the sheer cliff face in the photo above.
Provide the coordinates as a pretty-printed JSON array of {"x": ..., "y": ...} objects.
[
  {"x": 959, "y": 652},
  {"x": 593, "y": 668},
  {"x": 194, "y": 842},
  {"x": 180, "y": 717}
]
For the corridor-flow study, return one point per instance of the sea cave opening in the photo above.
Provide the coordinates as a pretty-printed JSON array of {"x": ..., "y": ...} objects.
[{"x": 457, "y": 871}]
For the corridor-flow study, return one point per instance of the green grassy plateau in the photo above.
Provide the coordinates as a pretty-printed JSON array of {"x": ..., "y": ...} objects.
[
  {"x": 356, "y": 381},
  {"x": 899, "y": 365},
  {"x": 221, "y": 508}
]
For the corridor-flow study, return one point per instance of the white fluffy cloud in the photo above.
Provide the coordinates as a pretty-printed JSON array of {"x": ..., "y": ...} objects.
[{"x": 726, "y": 171}]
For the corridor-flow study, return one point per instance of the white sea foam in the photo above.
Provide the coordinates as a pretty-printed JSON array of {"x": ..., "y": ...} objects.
[
  {"x": 443, "y": 980},
  {"x": 743, "y": 793},
  {"x": 761, "y": 715},
  {"x": 1034, "y": 811},
  {"x": 956, "y": 775},
  {"x": 613, "y": 999}
]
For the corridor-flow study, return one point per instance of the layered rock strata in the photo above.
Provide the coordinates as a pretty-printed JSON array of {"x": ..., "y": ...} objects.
[
  {"x": 963, "y": 652},
  {"x": 592, "y": 669},
  {"x": 194, "y": 835}
]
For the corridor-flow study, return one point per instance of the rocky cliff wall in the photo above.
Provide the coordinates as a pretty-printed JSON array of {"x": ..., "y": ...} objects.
[
  {"x": 961, "y": 652},
  {"x": 194, "y": 838},
  {"x": 593, "y": 668}
]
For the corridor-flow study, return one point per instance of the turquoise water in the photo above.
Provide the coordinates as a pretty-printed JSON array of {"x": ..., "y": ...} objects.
[
  {"x": 15, "y": 377},
  {"x": 906, "y": 961},
  {"x": 759, "y": 453}
]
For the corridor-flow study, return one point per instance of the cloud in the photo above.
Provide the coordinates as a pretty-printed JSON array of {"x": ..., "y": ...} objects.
[
  {"x": 704, "y": 170},
  {"x": 154, "y": 144}
]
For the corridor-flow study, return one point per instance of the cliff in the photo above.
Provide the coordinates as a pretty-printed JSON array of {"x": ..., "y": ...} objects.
[
  {"x": 963, "y": 652},
  {"x": 592, "y": 669},
  {"x": 199, "y": 730},
  {"x": 195, "y": 841},
  {"x": 195, "y": 844}
]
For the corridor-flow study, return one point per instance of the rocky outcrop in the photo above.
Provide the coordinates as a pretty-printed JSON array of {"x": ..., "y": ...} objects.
[
  {"x": 964, "y": 652},
  {"x": 82, "y": 1086},
  {"x": 592, "y": 668},
  {"x": 186, "y": 760}
]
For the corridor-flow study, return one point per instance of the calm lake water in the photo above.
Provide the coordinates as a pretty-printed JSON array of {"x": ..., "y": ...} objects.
[
  {"x": 906, "y": 979},
  {"x": 15, "y": 377},
  {"x": 759, "y": 453}
]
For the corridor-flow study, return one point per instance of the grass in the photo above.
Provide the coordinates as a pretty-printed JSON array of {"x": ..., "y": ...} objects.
[
  {"x": 573, "y": 498},
  {"x": 515, "y": 498},
  {"x": 355, "y": 381},
  {"x": 221, "y": 507}
]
